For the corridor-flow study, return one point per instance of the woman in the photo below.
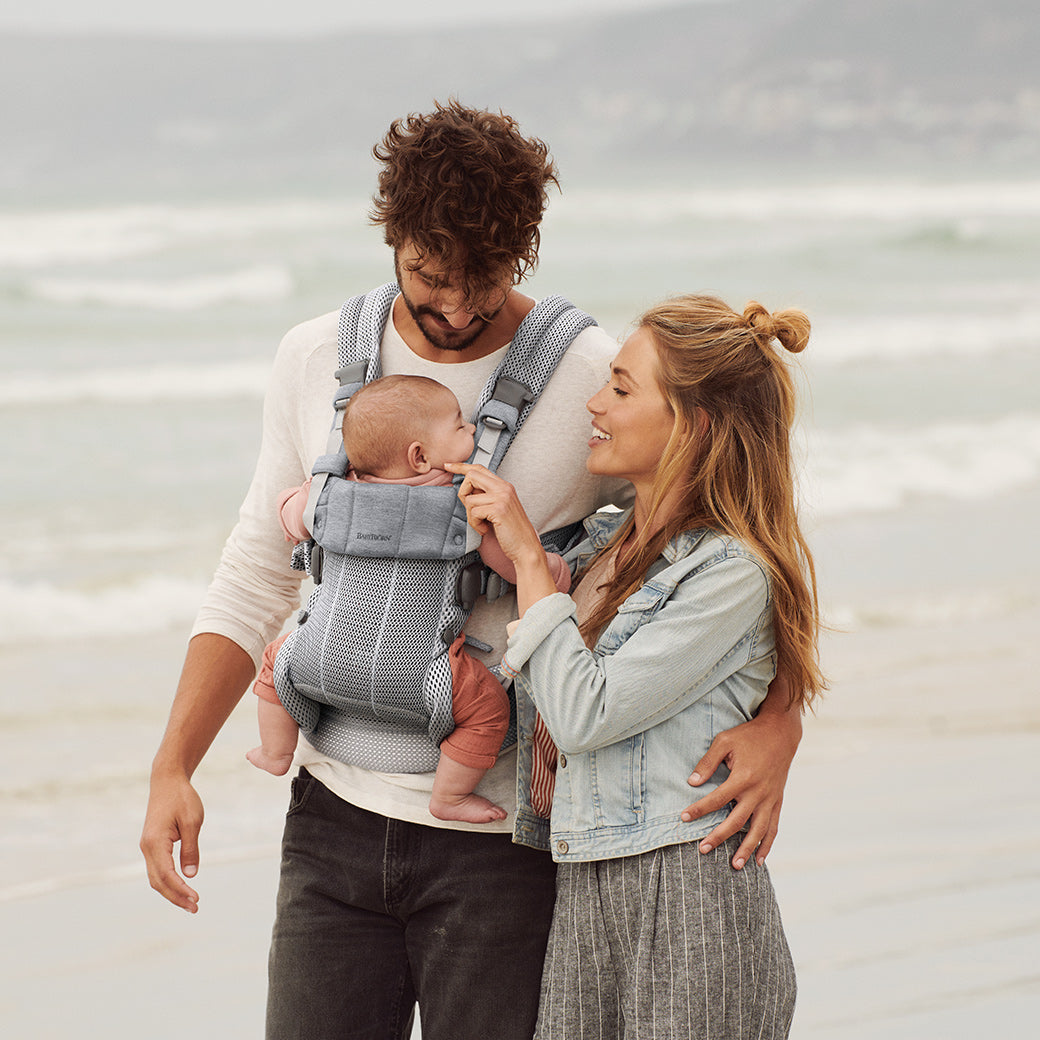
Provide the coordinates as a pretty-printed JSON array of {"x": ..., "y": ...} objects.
[{"x": 684, "y": 605}]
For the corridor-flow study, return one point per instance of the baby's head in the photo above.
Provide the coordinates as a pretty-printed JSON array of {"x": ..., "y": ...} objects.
[{"x": 400, "y": 426}]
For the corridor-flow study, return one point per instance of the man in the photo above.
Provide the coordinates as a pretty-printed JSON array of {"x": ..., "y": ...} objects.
[{"x": 380, "y": 904}]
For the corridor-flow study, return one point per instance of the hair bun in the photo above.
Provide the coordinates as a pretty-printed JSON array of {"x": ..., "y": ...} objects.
[{"x": 790, "y": 328}]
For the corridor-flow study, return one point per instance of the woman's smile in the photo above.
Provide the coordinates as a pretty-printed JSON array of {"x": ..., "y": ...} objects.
[{"x": 631, "y": 418}]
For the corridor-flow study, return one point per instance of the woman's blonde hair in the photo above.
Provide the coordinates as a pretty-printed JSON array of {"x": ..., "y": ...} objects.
[{"x": 729, "y": 459}]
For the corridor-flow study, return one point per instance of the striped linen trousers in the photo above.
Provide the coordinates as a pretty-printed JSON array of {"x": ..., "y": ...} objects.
[{"x": 665, "y": 945}]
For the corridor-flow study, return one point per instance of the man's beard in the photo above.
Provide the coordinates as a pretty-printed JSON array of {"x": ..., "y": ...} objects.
[{"x": 440, "y": 338}]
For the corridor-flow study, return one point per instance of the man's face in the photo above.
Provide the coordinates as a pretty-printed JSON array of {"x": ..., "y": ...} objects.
[{"x": 443, "y": 315}]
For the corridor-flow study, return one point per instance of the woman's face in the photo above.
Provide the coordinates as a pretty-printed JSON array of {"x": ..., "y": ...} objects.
[{"x": 631, "y": 419}]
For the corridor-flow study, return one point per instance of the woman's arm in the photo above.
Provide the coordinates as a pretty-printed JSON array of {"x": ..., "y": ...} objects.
[
  {"x": 698, "y": 637},
  {"x": 492, "y": 503},
  {"x": 759, "y": 753}
]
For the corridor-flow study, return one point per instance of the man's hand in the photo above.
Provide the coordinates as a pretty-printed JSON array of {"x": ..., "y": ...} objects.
[
  {"x": 174, "y": 814},
  {"x": 216, "y": 672},
  {"x": 759, "y": 754}
]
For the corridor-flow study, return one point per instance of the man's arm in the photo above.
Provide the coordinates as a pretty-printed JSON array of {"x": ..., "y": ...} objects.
[
  {"x": 759, "y": 754},
  {"x": 216, "y": 673}
]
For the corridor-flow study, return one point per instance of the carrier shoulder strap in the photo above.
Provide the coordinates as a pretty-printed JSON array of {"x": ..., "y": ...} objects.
[
  {"x": 537, "y": 347},
  {"x": 362, "y": 320}
]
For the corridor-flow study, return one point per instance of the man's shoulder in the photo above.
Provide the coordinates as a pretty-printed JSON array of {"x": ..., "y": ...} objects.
[
  {"x": 593, "y": 346},
  {"x": 586, "y": 365},
  {"x": 315, "y": 335},
  {"x": 306, "y": 361}
]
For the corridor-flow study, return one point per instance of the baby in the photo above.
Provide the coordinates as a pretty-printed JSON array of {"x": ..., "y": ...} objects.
[{"x": 403, "y": 429}]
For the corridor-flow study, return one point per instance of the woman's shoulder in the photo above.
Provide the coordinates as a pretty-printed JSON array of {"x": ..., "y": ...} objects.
[
  {"x": 601, "y": 525},
  {"x": 704, "y": 548}
]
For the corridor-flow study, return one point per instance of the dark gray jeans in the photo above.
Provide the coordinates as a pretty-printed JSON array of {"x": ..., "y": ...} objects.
[{"x": 374, "y": 914}]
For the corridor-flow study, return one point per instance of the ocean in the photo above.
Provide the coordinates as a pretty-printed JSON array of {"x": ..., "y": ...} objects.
[
  {"x": 140, "y": 338},
  {"x": 136, "y": 342}
]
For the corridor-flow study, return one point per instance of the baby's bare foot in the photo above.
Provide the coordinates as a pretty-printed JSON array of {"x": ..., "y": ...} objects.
[
  {"x": 276, "y": 764},
  {"x": 466, "y": 808}
]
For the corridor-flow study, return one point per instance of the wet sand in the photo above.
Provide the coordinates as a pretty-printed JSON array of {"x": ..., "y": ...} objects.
[{"x": 907, "y": 865}]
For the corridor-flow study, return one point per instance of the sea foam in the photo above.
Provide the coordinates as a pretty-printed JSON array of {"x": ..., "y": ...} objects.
[
  {"x": 49, "y": 238},
  {"x": 840, "y": 340},
  {"x": 233, "y": 379},
  {"x": 867, "y": 469},
  {"x": 48, "y": 612},
  {"x": 889, "y": 200},
  {"x": 260, "y": 284}
]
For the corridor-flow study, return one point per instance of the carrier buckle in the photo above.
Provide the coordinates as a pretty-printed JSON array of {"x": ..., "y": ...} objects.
[{"x": 467, "y": 585}]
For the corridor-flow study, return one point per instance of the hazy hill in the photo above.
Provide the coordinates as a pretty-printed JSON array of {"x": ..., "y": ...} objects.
[{"x": 732, "y": 81}]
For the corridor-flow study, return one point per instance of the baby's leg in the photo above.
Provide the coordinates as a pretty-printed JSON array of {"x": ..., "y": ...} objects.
[
  {"x": 453, "y": 797},
  {"x": 278, "y": 735},
  {"x": 480, "y": 709}
]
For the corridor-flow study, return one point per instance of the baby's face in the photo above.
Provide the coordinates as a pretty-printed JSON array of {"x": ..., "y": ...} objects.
[{"x": 450, "y": 437}]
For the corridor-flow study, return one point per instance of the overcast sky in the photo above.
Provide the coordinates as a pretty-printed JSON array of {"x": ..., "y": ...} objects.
[{"x": 278, "y": 17}]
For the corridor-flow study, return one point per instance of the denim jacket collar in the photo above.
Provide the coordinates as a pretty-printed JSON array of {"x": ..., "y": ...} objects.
[{"x": 601, "y": 527}]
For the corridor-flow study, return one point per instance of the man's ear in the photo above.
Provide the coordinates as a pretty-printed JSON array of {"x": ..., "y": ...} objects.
[{"x": 417, "y": 461}]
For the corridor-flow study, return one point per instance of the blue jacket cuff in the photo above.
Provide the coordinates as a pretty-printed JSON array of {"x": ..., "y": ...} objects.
[{"x": 532, "y": 629}]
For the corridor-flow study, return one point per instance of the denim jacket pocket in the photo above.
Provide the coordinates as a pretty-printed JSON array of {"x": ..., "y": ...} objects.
[
  {"x": 603, "y": 788},
  {"x": 632, "y": 614},
  {"x": 624, "y": 768}
]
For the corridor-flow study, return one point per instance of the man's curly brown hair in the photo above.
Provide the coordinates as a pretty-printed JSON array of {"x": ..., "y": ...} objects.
[{"x": 467, "y": 190}]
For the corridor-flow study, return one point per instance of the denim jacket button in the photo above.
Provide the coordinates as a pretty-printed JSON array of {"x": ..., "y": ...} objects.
[
  {"x": 561, "y": 847},
  {"x": 563, "y": 760}
]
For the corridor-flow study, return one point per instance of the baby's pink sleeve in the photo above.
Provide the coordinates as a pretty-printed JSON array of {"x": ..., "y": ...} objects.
[
  {"x": 291, "y": 506},
  {"x": 559, "y": 570}
]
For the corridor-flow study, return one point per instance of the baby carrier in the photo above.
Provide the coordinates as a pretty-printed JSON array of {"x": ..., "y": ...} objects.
[{"x": 366, "y": 673}]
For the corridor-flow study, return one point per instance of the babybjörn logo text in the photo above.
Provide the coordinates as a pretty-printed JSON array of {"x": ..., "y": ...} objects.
[{"x": 372, "y": 537}]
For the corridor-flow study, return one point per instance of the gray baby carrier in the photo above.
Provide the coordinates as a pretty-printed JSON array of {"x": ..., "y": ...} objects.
[{"x": 366, "y": 673}]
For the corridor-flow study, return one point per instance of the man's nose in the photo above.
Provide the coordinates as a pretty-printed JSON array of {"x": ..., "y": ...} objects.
[{"x": 456, "y": 311}]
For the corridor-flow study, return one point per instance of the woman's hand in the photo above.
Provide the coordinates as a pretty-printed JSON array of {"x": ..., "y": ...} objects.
[{"x": 492, "y": 502}]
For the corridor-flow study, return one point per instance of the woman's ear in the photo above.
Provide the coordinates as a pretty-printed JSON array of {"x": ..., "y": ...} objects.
[{"x": 417, "y": 461}]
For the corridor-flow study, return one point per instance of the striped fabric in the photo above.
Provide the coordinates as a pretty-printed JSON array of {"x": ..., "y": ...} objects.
[
  {"x": 543, "y": 769},
  {"x": 666, "y": 945}
]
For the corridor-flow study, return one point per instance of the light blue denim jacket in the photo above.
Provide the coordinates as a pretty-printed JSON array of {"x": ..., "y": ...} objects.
[{"x": 687, "y": 656}]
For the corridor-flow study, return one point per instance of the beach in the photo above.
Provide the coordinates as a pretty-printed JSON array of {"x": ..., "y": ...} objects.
[
  {"x": 905, "y": 866},
  {"x": 137, "y": 344}
]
